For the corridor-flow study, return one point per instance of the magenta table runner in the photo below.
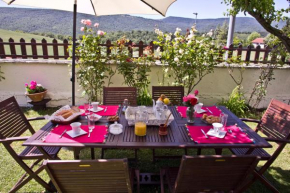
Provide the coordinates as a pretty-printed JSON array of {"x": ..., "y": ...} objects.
[
  {"x": 197, "y": 135},
  {"x": 111, "y": 110},
  {"x": 215, "y": 111},
  {"x": 98, "y": 135}
]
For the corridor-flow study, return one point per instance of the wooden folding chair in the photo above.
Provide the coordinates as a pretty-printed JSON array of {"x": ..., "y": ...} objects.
[
  {"x": 91, "y": 175},
  {"x": 13, "y": 125},
  {"x": 209, "y": 174},
  {"x": 275, "y": 124},
  {"x": 174, "y": 93},
  {"x": 116, "y": 95}
]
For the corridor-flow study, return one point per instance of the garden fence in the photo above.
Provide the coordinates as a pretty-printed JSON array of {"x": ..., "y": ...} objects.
[{"x": 59, "y": 50}]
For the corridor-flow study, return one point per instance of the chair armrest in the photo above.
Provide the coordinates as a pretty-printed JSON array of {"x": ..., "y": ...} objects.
[
  {"x": 35, "y": 118},
  {"x": 277, "y": 140},
  {"x": 250, "y": 120},
  {"x": 13, "y": 139}
]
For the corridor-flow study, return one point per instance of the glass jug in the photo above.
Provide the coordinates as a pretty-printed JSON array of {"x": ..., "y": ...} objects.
[{"x": 141, "y": 118}]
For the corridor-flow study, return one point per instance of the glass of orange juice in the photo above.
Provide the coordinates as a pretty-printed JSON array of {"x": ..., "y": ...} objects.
[{"x": 141, "y": 118}]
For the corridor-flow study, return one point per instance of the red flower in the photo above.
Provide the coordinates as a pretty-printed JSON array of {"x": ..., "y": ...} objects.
[
  {"x": 193, "y": 101},
  {"x": 196, "y": 92},
  {"x": 128, "y": 60}
]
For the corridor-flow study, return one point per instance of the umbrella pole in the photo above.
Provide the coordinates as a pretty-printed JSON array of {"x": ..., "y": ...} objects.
[{"x": 74, "y": 52}]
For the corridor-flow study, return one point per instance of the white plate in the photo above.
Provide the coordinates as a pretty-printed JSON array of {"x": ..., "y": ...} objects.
[
  {"x": 220, "y": 134},
  {"x": 116, "y": 129},
  {"x": 99, "y": 109},
  {"x": 73, "y": 134},
  {"x": 201, "y": 111}
]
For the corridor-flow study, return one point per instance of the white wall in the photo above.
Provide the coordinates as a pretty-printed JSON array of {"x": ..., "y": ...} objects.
[{"x": 55, "y": 76}]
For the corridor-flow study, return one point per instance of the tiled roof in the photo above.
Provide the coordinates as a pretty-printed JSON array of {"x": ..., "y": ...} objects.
[{"x": 258, "y": 40}]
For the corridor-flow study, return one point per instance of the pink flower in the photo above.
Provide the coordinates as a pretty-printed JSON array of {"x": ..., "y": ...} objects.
[
  {"x": 96, "y": 25},
  {"x": 26, "y": 85},
  {"x": 82, "y": 29},
  {"x": 88, "y": 22},
  {"x": 83, "y": 21},
  {"x": 196, "y": 92},
  {"x": 32, "y": 87},
  {"x": 100, "y": 33},
  {"x": 33, "y": 83}
]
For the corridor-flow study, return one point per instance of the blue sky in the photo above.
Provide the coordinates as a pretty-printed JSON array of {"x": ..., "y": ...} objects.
[{"x": 204, "y": 8}]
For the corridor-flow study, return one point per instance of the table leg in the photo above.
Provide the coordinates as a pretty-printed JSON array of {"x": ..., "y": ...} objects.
[
  {"x": 218, "y": 151},
  {"x": 76, "y": 153},
  {"x": 92, "y": 153}
]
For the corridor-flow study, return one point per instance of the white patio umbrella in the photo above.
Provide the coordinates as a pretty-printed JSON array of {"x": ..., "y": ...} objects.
[{"x": 97, "y": 7}]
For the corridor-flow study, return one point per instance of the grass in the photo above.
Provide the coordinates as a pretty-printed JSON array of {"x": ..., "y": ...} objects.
[{"x": 278, "y": 174}]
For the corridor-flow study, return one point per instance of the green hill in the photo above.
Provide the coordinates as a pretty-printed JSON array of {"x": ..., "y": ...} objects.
[{"x": 60, "y": 22}]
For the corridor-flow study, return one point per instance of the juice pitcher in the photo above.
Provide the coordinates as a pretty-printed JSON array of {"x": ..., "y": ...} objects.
[{"x": 141, "y": 118}]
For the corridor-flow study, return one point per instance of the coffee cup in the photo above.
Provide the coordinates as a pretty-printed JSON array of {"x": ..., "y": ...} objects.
[
  {"x": 198, "y": 107},
  {"x": 217, "y": 127},
  {"x": 95, "y": 105},
  {"x": 76, "y": 127}
]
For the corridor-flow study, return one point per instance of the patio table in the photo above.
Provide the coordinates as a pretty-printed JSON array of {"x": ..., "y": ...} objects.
[{"x": 177, "y": 136}]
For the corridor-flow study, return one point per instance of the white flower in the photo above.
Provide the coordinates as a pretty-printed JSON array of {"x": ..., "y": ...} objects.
[
  {"x": 158, "y": 51},
  {"x": 189, "y": 42},
  {"x": 168, "y": 38},
  {"x": 181, "y": 51},
  {"x": 178, "y": 30},
  {"x": 176, "y": 59}
]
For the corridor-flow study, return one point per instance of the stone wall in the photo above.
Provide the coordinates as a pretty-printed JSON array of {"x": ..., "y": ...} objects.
[{"x": 55, "y": 76}]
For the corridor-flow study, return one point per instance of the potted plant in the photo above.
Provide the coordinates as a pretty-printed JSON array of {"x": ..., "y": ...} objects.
[{"x": 36, "y": 92}]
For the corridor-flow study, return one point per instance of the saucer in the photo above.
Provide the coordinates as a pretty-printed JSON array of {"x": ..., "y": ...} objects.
[
  {"x": 220, "y": 134},
  {"x": 96, "y": 117},
  {"x": 73, "y": 134},
  {"x": 116, "y": 129},
  {"x": 99, "y": 109}
]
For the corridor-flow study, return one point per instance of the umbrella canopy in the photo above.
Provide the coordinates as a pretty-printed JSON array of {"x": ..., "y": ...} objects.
[
  {"x": 97, "y": 7},
  {"x": 101, "y": 7}
]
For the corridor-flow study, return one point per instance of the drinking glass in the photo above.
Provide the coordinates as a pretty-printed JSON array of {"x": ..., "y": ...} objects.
[
  {"x": 87, "y": 106},
  {"x": 224, "y": 119},
  {"x": 91, "y": 121}
]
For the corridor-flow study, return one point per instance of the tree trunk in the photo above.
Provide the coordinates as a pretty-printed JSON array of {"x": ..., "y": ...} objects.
[{"x": 284, "y": 38}]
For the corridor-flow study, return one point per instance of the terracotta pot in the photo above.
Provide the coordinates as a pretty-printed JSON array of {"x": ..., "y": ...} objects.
[{"x": 36, "y": 97}]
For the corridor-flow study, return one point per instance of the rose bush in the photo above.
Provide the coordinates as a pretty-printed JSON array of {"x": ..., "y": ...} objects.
[{"x": 186, "y": 58}]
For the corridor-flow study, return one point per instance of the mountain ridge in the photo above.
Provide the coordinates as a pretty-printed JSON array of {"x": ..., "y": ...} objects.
[{"x": 60, "y": 22}]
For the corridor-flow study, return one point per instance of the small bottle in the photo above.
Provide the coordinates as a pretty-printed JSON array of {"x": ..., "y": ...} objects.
[{"x": 125, "y": 105}]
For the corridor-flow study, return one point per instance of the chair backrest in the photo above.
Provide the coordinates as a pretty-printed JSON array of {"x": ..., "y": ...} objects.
[
  {"x": 275, "y": 122},
  {"x": 174, "y": 93},
  {"x": 213, "y": 173},
  {"x": 116, "y": 95},
  {"x": 13, "y": 122},
  {"x": 89, "y": 175}
]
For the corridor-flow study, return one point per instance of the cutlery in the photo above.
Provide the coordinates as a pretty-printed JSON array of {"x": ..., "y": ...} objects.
[
  {"x": 62, "y": 133},
  {"x": 90, "y": 130},
  {"x": 105, "y": 109},
  {"x": 239, "y": 128},
  {"x": 209, "y": 110},
  {"x": 204, "y": 133},
  {"x": 230, "y": 131}
]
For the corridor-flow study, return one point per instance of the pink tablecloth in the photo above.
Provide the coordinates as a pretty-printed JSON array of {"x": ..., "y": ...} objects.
[
  {"x": 215, "y": 111},
  {"x": 111, "y": 110},
  {"x": 197, "y": 136},
  {"x": 97, "y": 135}
]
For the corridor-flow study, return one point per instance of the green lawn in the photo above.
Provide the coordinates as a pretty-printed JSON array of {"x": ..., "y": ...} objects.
[{"x": 278, "y": 173}]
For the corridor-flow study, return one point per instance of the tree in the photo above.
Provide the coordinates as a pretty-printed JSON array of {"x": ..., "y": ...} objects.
[
  {"x": 222, "y": 34},
  {"x": 265, "y": 13},
  {"x": 253, "y": 36}
]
